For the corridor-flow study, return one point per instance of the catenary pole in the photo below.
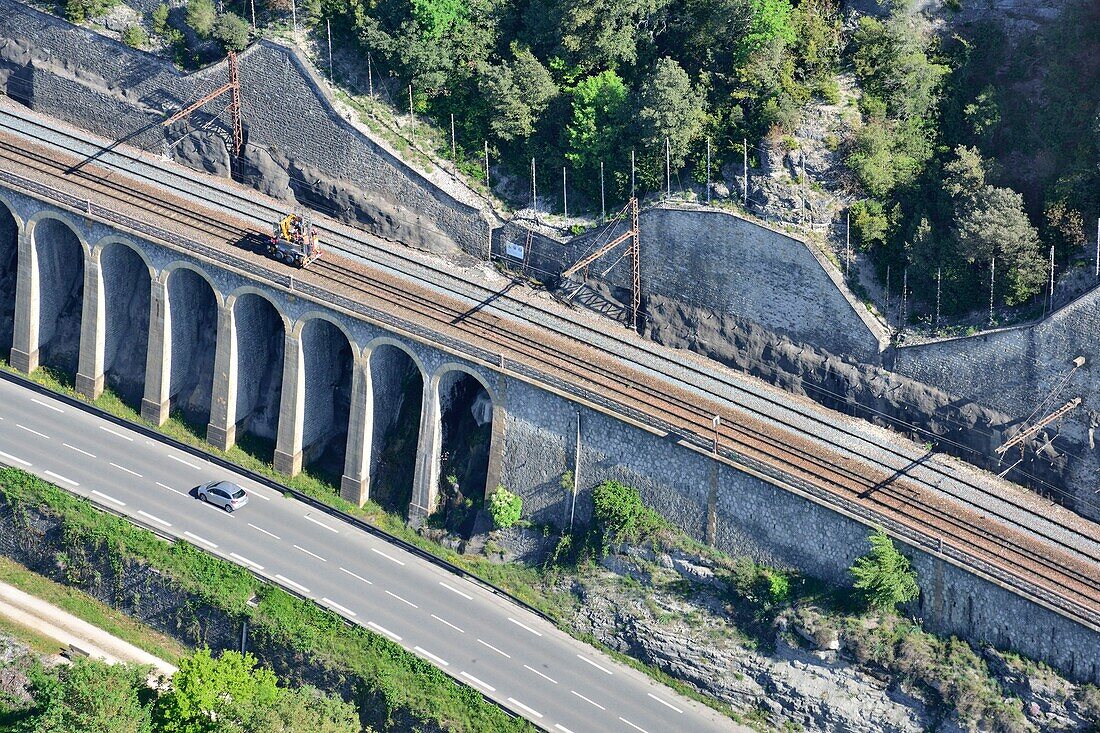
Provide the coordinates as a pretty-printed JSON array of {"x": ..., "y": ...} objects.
[
  {"x": 939, "y": 275},
  {"x": 454, "y": 148},
  {"x": 1050, "y": 305},
  {"x": 992, "y": 279},
  {"x": 632, "y": 187},
  {"x": 564, "y": 194},
  {"x": 848, "y": 243},
  {"x": 487, "y": 168},
  {"x": 668, "y": 171},
  {"x": 603, "y": 203},
  {"x": 708, "y": 171},
  {"x": 745, "y": 170},
  {"x": 534, "y": 191},
  {"x": 370, "y": 78},
  {"x": 328, "y": 30},
  {"x": 1098, "y": 247}
]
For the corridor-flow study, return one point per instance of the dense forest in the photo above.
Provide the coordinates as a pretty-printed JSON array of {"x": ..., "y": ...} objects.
[{"x": 970, "y": 152}]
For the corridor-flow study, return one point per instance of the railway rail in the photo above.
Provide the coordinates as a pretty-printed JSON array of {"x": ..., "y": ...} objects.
[{"x": 1065, "y": 579}]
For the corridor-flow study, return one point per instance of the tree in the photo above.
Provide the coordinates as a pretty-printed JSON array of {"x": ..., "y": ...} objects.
[
  {"x": 669, "y": 107},
  {"x": 232, "y": 30},
  {"x": 603, "y": 34},
  {"x": 505, "y": 507},
  {"x": 92, "y": 697},
  {"x": 160, "y": 19},
  {"x": 201, "y": 16},
  {"x": 134, "y": 36},
  {"x": 884, "y": 576},
  {"x": 519, "y": 93},
  {"x": 308, "y": 710},
  {"x": 230, "y": 689},
  {"x": 595, "y": 132}
]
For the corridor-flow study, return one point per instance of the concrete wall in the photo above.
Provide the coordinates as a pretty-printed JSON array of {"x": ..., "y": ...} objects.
[
  {"x": 1013, "y": 370},
  {"x": 716, "y": 260}
]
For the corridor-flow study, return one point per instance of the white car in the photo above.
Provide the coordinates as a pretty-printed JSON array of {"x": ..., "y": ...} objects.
[{"x": 227, "y": 495}]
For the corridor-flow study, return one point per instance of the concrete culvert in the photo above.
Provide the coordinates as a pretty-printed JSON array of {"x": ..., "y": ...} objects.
[
  {"x": 260, "y": 342},
  {"x": 61, "y": 295},
  {"x": 464, "y": 405},
  {"x": 328, "y": 362},
  {"x": 9, "y": 260},
  {"x": 397, "y": 387},
  {"x": 193, "y": 312},
  {"x": 126, "y": 285}
]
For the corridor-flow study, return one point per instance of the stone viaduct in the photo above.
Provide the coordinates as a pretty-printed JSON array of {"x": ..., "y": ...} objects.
[{"x": 176, "y": 329}]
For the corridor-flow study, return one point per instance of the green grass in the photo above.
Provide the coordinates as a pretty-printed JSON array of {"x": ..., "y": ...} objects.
[
  {"x": 38, "y": 643},
  {"x": 86, "y": 608},
  {"x": 396, "y": 678}
]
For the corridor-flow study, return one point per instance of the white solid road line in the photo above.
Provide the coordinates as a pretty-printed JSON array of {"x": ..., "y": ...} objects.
[
  {"x": 452, "y": 589},
  {"x": 123, "y": 468},
  {"x": 540, "y": 674},
  {"x": 525, "y": 627},
  {"x": 635, "y": 727},
  {"x": 520, "y": 705},
  {"x": 478, "y": 682},
  {"x": 117, "y": 434},
  {"x": 394, "y": 595},
  {"x": 503, "y": 654},
  {"x": 186, "y": 463},
  {"x": 10, "y": 457},
  {"x": 383, "y": 630},
  {"x": 562, "y": 728},
  {"x": 291, "y": 583},
  {"x": 78, "y": 450},
  {"x": 388, "y": 557},
  {"x": 108, "y": 498},
  {"x": 447, "y": 623},
  {"x": 165, "y": 486},
  {"x": 59, "y": 477},
  {"x": 147, "y": 515},
  {"x": 434, "y": 658},
  {"x": 311, "y": 554},
  {"x": 357, "y": 577},
  {"x": 605, "y": 670},
  {"x": 204, "y": 541},
  {"x": 261, "y": 529},
  {"x": 48, "y": 407},
  {"x": 246, "y": 561},
  {"x": 587, "y": 700},
  {"x": 338, "y": 607},
  {"x": 320, "y": 524},
  {"x": 33, "y": 432},
  {"x": 665, "y": 703}
]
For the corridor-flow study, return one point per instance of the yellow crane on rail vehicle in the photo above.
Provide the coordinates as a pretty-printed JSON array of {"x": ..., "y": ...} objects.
[{"x": 294, "y": 240}]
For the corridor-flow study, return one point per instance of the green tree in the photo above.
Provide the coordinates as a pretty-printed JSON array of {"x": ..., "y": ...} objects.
[
  {"x": 160, "y": 19},
  {"x": 869, "y": 223},
  {"x": 92, "y": 697},
  {"x": 595, "y": 131},
  {"x": 884, "y": 576},
  {"x": 230, "y": 690},
  {"x": 770, "y": 21},
  {"x": 505, "y": 507},
  {"x": 669, "y": 107},
  {"x": 603, "y": 34},
  {"x": 621, "y": 514},
  {"x": 308, "y": 710},
  {"x": 201, "y": 16},
  {"x": 519, "y": 92},
  {"x": 232, "y": 31},
  {"x": 134, "y": 36}
]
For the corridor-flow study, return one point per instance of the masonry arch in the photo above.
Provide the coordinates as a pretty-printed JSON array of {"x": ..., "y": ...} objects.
[
  {"x": 329, "y": 356},
  {"x": 465, "y": 407},
  {"x": 59, "y": 259},
  {"x": 192, "y": 322},
  {"x": 10, "y": 227},
  {"x": 126, "y": 277},
  {"x": 259, "y": 332},
  {"x": 397, "y": 396}
]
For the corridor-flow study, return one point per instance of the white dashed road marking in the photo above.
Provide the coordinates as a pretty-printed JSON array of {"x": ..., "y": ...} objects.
[
  {"x": 456, "y": 590},
  {"x": 186, "y": 463},
  {"x": 605, "y": 670},
  {"x": 434, "y": 658},
  {"x": 292, "y": 584},
  {"x": 10, "y": 457},
  {"x": 115, "y": 433},
  {"x": 394, "y": 595},
  {"x": 590, "y": 702},
  {"x": 59, "y": 477},
  {"x": 503, "y": 654},
  {"x": 32, "y": 432},
  {"x": 321, "y": 524},
  {"x": 261, "y": 529},
  {"x": 246, "y": 561},
  {"x": 156, "y": 519},
  {"x": 383, "y": 630},
  {"x": 311, "y": 554},
  {"x": 255, "y": 493},
  {"x": 388, "y": 557},
  {"x": 204, "y": 541},
  {"x": 478, "y": 682},
  {"x": 338, "y": 607},
  {"x": 166, "y": 486},
  {"x": 448, "y": 623},
  {"x": 123, "y": 468},
  {"x": 562, "y": 728},
  {"x": 101, "y": 495},
  {"x": 521, "y": 706},
  {"x": 357, "y": 577},
  {"x": 635, "y": 727},
  {"x": 73, "y": 447},
  {"x": 47, "y": 406},
  {"x": 525, "y": 627},
  {"x": 540, "y": 674},
  {"x": 666, "y": 704}
]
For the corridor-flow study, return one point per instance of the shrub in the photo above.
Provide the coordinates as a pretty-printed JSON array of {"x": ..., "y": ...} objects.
[
  {"x": 505, "y": 507},
  {"x": 232, "y": 30},
  {"x": 134, "y": 36},
  {"x": 77, "y": 11},
  {"x": 884, "y": 576},
  {"x": 160, "y": 19},
  {"x": 620, "y": 513},
  {"x": 201, "y": 16}
]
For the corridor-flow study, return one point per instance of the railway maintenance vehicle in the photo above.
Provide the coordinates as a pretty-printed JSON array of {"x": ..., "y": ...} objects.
[{"x": 294, "y": 241}]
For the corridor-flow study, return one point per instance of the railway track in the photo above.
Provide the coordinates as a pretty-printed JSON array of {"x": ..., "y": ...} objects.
[{"x": 905, "y": 500}]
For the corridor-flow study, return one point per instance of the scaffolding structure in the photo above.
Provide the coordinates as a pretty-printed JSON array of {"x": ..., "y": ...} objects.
[
  {"x": 633, "y": 252},
  {"x": 234, "y": 90}
]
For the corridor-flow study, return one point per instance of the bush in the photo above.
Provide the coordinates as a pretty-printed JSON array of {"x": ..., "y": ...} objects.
[
  {"x": 78, "y": 11},
  {"x": 232, "y": 30},
  {"x": 869, "y": 223},
  {"x": 621, "y": 515},
  {"x": 134, "y": 36},
  {"x": 160, "y": 19},
  {"x": 201, "y": 16},
  {"x": 884, "y": 576},
  {"x": 505, "y": 507}
]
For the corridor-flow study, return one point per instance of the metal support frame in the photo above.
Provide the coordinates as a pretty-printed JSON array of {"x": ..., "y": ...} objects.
[
  {"x": 1027, "y": 433},
  {"x": 234, "y": 86},
  {"x": 633, "y": 252}
]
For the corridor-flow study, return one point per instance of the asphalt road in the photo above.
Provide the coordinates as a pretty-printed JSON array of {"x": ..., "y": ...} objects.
[{"x": 485, "y": 641}]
